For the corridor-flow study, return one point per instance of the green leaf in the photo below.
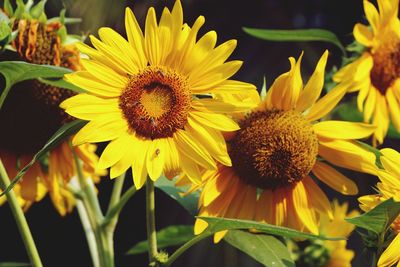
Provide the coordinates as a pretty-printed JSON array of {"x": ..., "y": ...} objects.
[
  {"x": 170, "y": 236},
  {"x": 8, "y": 8},
  {"x": 14, "y": 264},
  {"x": 5, "y": 32},
  {"x": 216, "y": 224},
  {"x": 64, "y": 132},
  {"x": 18, "y": 71},
  {"x": 265, "y": 249},
  {"x": 62, "y": 84},
  {"x": 296, "y": 36},
  {"x": 189, "y": 202},
  {"x": 379, "y": 218},
  {"x": 37, "y": 10}
]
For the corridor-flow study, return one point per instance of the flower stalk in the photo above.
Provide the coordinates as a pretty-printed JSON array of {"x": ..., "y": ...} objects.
[
  {"x": 20, "y": 219},
  {"x": 150, "y": 222}
]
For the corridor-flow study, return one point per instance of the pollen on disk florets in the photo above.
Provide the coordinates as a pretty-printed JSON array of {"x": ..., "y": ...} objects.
[
  {"x": 386, "y": 68},
  {"x": 273, "y": 149},
  {"x": 156, "y": 102}
]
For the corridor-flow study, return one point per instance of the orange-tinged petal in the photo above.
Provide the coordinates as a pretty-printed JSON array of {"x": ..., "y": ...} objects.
[
  {"x": 304, "y": 208},
  {"x": 334, "y": 179}
]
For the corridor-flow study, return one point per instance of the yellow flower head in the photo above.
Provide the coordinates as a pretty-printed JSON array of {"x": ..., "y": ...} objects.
[
  {"x": 152, "y": 96},
  {"x": 328, "y": 253},
  {"x": 388, "y": 187},
  {"x": 339, "y": 256},
  {"x": 279, "y": 145},
  {"x": 375, "y": 75},
  {"x": 31, "y": 115}
]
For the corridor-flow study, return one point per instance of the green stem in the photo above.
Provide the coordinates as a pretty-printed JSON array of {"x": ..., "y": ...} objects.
[
  {"x": 90, "y": 235},
  {"x": 92, "y": 205},
  {"x": 150, "y": 221},
  {"x": 185, "y": 247},
  {"x": 110, "y": 227},
  {"x": 116, "y": 208},
  {"x": 20, "y": 219}
]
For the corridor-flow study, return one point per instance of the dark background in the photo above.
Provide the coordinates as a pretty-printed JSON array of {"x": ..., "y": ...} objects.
[{"x": 61, "y": 241}]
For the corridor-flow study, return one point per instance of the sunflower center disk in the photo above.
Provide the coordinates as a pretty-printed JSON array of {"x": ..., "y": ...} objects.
[
  {"x": 156, "y": 102},
  {"x": 386, "y": 67},
  {"x": 273, "y": 149}
]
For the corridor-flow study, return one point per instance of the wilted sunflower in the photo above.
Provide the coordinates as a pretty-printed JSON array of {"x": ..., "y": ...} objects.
[
  {"x": 389, "y": 187},
  {"x": 31, "y": 115},
  {"x": 375, "y": 75},
  {"x": 279, "y": 145},
  {"x": 152, "y": 97}
]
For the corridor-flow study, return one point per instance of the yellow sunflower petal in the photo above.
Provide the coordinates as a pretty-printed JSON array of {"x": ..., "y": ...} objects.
[
  {"x": 217, "y": 106},
  {"x": 317, "y": 197},
  {"x": 199, "y": 226},
  {"x": 127, "y": 158},
  {"x": 103, "y": 130},
  {"x": 389, "y": 179},
  {"x": 369, "y": 107},
  {"x": 390, "y": 159},
  {"x": 391, "y": 254},
  {"x": 139, "y": 171},
  {"x": 363, "y": 35},
  {"x": 348, "y": 154},
  {"x": 135, "y": 36},
  {"x": 88, "y": 82},
  {"x": 197, "y": 152},
  {"x": 171, "y": 165},
  {"x": 303, "y": 207},
  {"x": 325, "y": 104},
  {"x": 216, "y": 121},
  {"x": 117, "y": 57},
  {"x": 114, "y": 151},
  {"x": 381, "y": 118},
  {"x": 152, "y": 42},
  {"x": 105, "y": 74},
  {"x": 213, "y": 59},
  {"x": 334, "y": 179},
  {"x": 343, "y": 129},
  {"x": 372, "y": 15},
  {"x": 313, "y": 88},
  {"x": 116, "y": 41},
  {"x": 213, "y": 141},
  {"x": 90, "y": 107},
  {"x": 215, "y": 76},
  {"x": 394, "y": 108},
  {"x": 155, "y": 158}
]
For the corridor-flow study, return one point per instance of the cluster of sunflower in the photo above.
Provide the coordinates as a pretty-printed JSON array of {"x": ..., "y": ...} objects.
[{"x": 165, "y": 102}]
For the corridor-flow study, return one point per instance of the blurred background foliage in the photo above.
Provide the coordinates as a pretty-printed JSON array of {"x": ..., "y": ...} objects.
[{"x": 61, "y": 240}]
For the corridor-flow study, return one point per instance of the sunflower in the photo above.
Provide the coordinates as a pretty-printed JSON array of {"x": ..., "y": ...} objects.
[
  {"x": 31, "y": 115},
  {"x": 375, "y": 74},
  {"x": 388, "y": 187},
  {"x": 339, "y": 255},
  {"x": 327, "y": 253},
  {"x": 153, "y": 97},
  {"x": 279, "y": 145}
]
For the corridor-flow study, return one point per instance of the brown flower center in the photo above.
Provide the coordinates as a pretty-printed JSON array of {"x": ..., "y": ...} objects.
[
  {"x": 31, "y": 112},
  {"x": 386, "y": 69},
  {"x": 156, "y": 102},
  {"x": 273, "y": 149}
]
